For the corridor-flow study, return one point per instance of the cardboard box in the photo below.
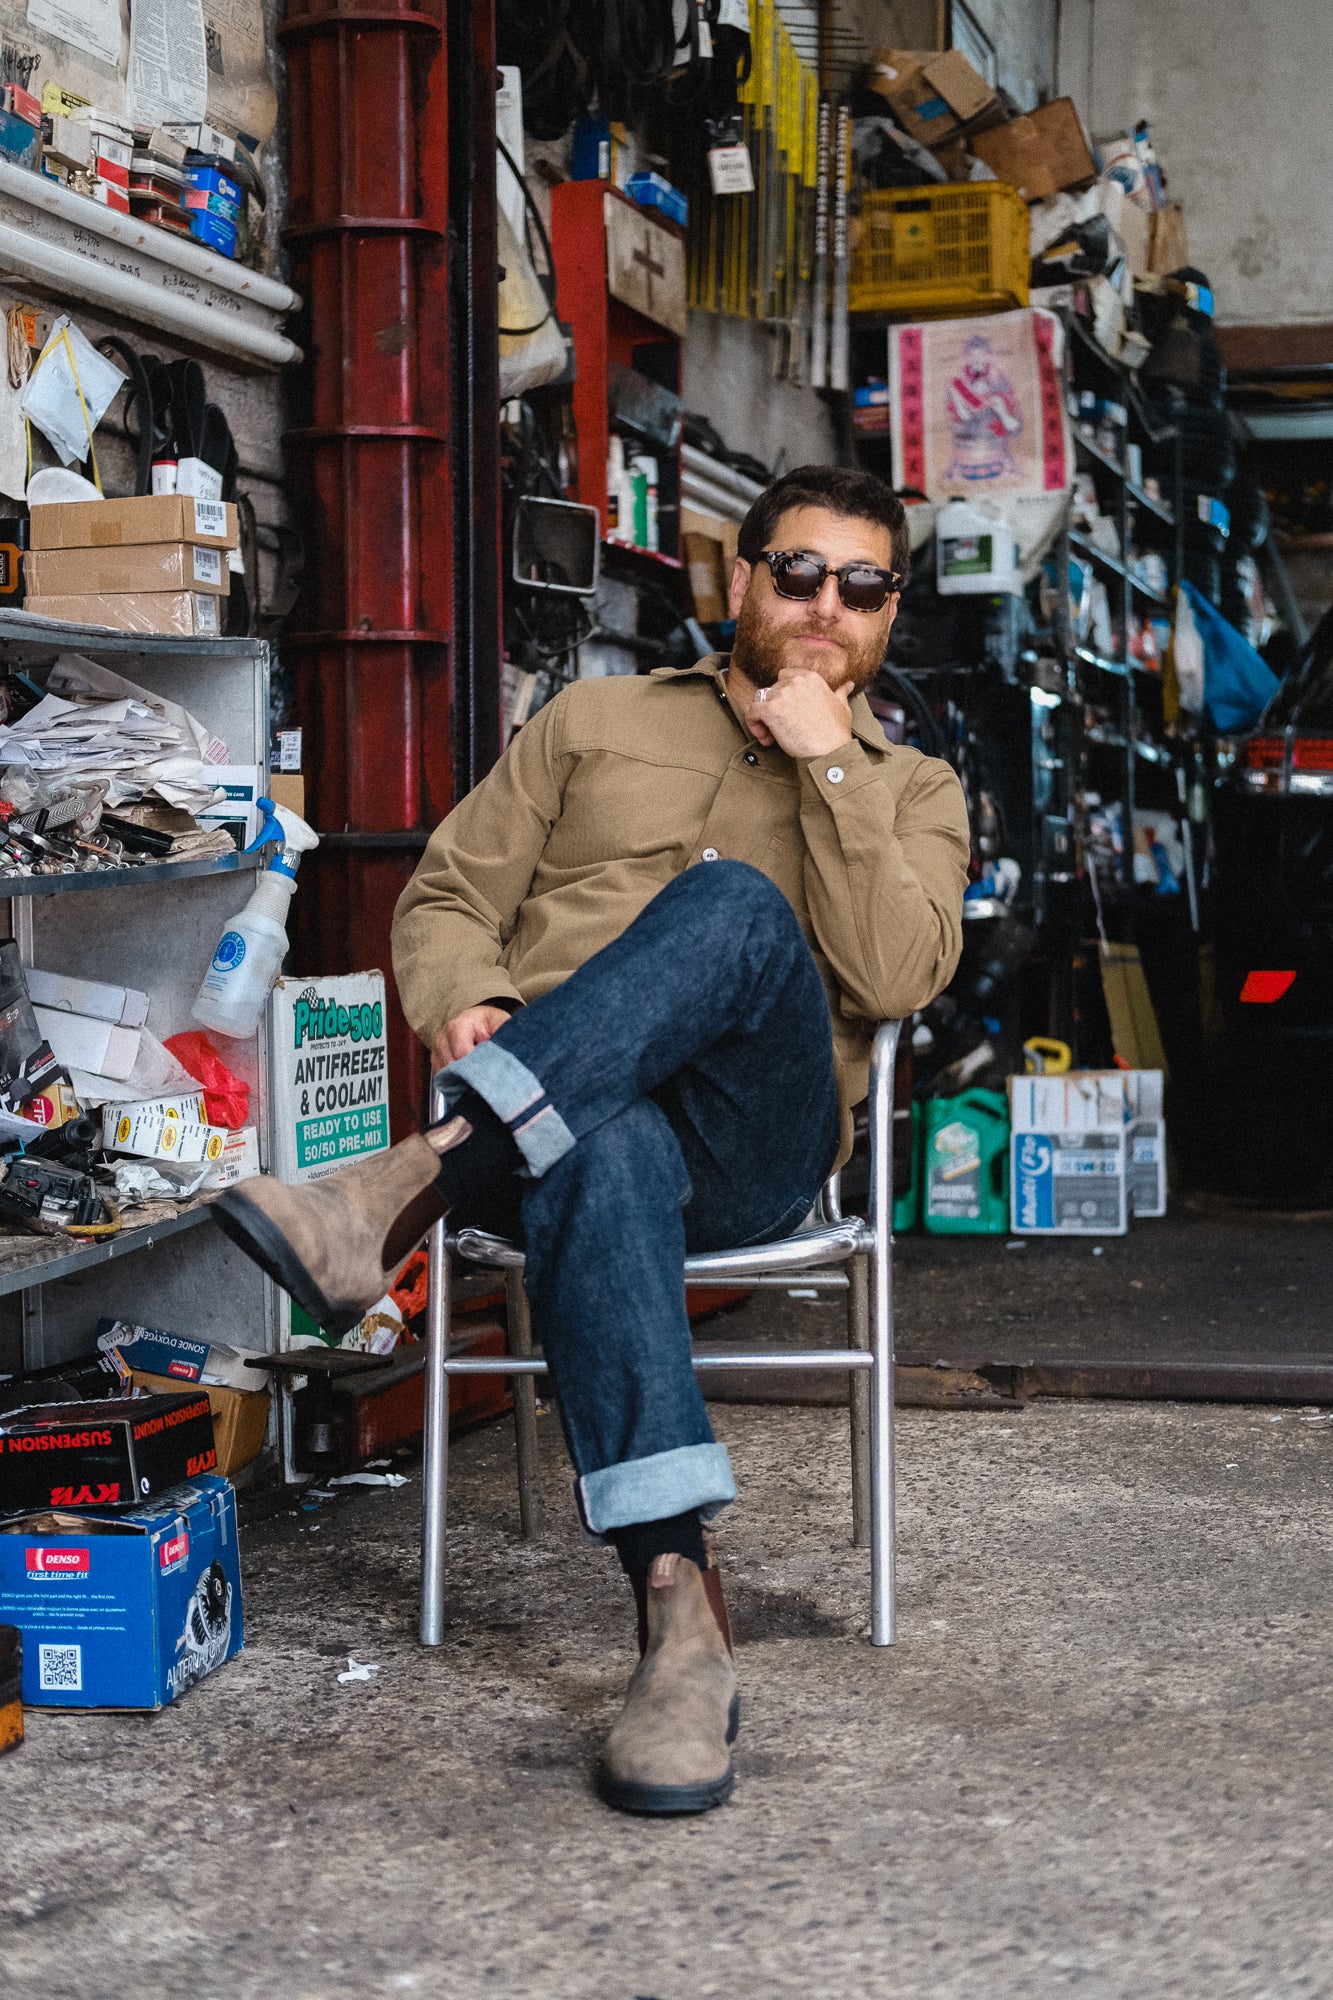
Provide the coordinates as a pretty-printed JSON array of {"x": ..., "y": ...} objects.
[
  {"x": 287, "y": 788},
  {"x": 184, "y": 614},
  {"x": 150, "y": 517},
  {"x": 1068, "y": 1184},
  {"x": 140, "y": 566},
  {"x": 935, "y": 97},
  {"x": 31, "y": 1080},
  {"x": 111, "y": 1453},
  {"x": 329, "y": 1073},
  {"x": 124, "y": 1005},
  {"x": 1040, "y": 154},
  {"x": 240, "y": 1417},
  {"x": 240, "y": 1158},
  {"x": 1169, "y": 249},
  {"x": 707, "y": 571},
  {"x": 242, "y": 787},
  {"x": 152, "y": 1350},
  {"x": 189, "y": 1107},
  {"x": 153, "y": 1135},
  {"x": 79, "y": 1041},
  {"x": 128, "y": 1610},
  {"x": 1143, "y": 1091},
  {"x": 1069, "y": 1187}
]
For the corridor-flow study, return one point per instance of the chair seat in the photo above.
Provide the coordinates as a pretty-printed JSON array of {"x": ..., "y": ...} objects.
[{"x": 808, "y": 1250}]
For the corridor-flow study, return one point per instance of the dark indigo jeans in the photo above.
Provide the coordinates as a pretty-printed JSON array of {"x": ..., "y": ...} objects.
[{"x": 676, "y": 1093}]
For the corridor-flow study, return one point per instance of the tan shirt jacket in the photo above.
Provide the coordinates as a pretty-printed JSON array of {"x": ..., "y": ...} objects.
[{"x": 619, "y": 784}]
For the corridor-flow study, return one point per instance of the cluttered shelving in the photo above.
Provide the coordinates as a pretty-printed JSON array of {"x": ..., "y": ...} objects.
[{"x": 148, "y": 928}]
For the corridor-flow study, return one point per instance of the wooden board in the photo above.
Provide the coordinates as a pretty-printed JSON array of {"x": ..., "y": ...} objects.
[{"x": 645, "y": 264}]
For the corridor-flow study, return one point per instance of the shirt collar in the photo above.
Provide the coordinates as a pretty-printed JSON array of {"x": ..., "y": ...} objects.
[{"x": 713, "y": 666}]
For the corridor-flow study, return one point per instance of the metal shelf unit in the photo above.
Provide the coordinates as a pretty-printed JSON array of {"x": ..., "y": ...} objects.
[{"x": 151, "y": 926}]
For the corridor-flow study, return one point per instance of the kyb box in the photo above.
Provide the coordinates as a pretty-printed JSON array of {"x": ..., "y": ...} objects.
[
  {"x": 124, "y": 1610},
  {"x": 110, "y": 1453}
]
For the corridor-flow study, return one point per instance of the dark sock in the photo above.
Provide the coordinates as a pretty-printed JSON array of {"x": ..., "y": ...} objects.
[
  {"x": 484, "y": 1157},
  {"x": 678, "y": 1535}
]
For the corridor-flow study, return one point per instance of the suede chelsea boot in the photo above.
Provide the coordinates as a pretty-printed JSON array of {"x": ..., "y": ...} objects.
[
  {"x": 669, "y": 1749},
  {"x": 337, "y": 1245}
]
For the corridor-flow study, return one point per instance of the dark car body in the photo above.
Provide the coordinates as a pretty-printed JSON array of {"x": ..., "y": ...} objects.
[{"x": 1273, "y": 874}]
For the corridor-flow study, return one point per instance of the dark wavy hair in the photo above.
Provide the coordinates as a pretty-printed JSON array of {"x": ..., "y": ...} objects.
[{"x": 859, "y": 496}]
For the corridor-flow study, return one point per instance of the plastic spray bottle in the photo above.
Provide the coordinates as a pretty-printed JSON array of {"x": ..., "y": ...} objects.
[{"x": 251, "y": 949}]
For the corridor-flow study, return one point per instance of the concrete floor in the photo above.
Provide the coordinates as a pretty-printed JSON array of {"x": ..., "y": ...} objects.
[{"x": 1096, "y": 1762}]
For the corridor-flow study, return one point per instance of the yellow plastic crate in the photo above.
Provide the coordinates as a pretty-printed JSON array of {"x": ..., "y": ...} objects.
[{"x": 936, "y": 251}]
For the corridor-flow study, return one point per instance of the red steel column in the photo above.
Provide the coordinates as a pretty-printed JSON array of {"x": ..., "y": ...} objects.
[{"x": 373, "y": 634}]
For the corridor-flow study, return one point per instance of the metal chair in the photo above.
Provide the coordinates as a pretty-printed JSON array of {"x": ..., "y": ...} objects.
[{"x": 831, "y": 1253}]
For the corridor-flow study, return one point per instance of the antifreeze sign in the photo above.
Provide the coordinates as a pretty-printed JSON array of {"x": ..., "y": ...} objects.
[{"x": 330, "y": 1073}]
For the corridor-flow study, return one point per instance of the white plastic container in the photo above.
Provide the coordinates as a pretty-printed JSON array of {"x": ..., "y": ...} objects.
[
  {"x": 250, "y": 951},
  {"x": 975, "y": 552}
]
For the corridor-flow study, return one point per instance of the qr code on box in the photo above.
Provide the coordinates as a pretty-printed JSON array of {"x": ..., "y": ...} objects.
[{"x": 60, "y": 1669}]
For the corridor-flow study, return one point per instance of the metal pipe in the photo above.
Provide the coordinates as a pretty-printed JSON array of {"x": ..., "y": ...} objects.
[
  {"x": 698, "y": 462},
  {"x": 832, "y": 1244},
  {"x": 66, "y": 272},
  {"x": 88, "y": 216},
  {"x": 858, "y": 1416},
  {"x": 435, "y": 1444},
  {"x": 519, "y": 1344},
  {"x": 882, "y": 1608},
  {"x": 811, "y": 1358}
]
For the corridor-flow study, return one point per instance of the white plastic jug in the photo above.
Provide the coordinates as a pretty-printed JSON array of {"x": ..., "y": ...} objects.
[{"x": 975, "y": 552}]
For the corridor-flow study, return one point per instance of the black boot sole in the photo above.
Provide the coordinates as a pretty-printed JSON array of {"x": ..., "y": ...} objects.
[
  {"x": 254, "y": 1232},
  {"x": 626, "y": 1796}
]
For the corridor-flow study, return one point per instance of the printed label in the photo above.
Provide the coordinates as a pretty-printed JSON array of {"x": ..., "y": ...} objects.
[
  {"x": 730, "y": 170},
  {"x": 207, "y": 564},
  {"x": 59, "y": 1562},
  {"x": 326, "y": 1140},
  {"x": 210, "y": 517},
  {"x": 174, "y": 1553},
  {"x": 206, "y": 621},
  {"x": 230, "y": 951}
]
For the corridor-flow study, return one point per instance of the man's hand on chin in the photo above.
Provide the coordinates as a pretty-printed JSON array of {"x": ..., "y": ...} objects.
[
  {"x": 802, "y": 714},
  {"x": 461, "y": 1035}
]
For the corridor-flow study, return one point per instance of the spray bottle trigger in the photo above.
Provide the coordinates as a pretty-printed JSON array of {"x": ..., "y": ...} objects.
[{"x": 270, "y": 829}]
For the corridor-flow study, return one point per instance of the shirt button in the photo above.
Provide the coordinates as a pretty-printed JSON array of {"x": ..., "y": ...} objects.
[
  {"x": 834, "y": 774},
  {"x": 750, "y": 757},
  {"x": 709, "y": 854}
]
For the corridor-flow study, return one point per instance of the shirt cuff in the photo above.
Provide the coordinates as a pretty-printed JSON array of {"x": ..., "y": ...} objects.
[{"x": 839, "y": 772}]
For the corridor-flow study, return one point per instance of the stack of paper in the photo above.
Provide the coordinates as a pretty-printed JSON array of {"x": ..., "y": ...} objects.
[{"x": 93, "y": 725}]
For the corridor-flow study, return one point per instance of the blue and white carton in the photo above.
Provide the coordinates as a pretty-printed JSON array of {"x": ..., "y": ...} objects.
[
  {"x": 125, "y": 1610},
  {"x": 1069, "y": 1160}
]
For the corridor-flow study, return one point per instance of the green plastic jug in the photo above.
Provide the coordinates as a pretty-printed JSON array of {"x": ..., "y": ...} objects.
[{"x": 965, "y": 1164}]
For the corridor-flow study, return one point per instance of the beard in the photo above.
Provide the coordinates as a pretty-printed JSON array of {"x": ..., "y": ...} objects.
[{"x": 760, "y": 649}]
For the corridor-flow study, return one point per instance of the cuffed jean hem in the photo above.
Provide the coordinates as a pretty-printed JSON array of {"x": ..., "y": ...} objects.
[
  {"x": 655, "y": 1488},
  {"x": 519, "y": 1100}
]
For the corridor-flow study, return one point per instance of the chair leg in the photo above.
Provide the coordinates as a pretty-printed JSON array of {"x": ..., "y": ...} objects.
[
  {"x": 858, "y": 1336},
  {"x": 435, "y": 1457},
  {"x": 524, "y": 1391},
  {"x": 882, "y": 1525}
]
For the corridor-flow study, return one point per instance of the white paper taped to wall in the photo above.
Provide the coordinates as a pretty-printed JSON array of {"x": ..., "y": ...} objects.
[
  {"x": 168, "y": 62},
  {"x": 94, "y": 26}
]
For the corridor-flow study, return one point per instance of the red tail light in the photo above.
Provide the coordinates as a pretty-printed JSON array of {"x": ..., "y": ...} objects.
[
  {"x": 1312, "y": 753},
  {"x": 1262, "y": 753},
  {"x": 1261, "y": 989}
]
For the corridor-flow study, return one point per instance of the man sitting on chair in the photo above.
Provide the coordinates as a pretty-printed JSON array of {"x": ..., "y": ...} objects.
[{"x": 647, "y": 954}]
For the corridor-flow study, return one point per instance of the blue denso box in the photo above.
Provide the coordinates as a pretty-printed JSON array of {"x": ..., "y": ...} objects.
[{"x": 124, "y": 1610}]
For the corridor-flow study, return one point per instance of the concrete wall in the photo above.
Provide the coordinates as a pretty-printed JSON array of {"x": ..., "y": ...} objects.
[
  {"x": 1237, "y": 91},
  {"x": 728, "y": 378}
]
